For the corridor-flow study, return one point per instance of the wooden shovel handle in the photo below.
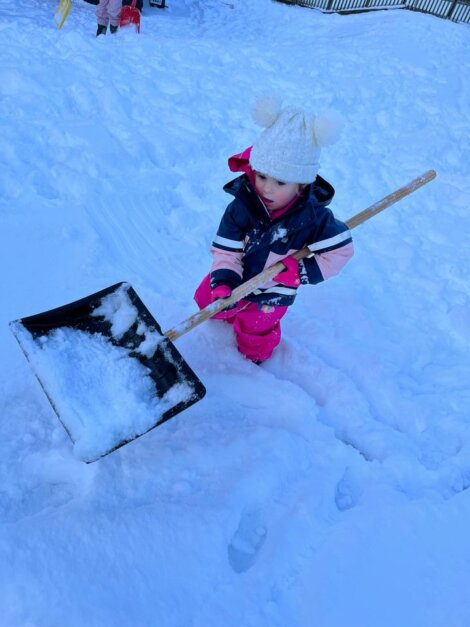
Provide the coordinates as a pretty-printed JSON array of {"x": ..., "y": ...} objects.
[{"x": 263, "y": 277}]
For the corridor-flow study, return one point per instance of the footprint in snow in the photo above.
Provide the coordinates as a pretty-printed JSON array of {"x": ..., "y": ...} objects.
[
  {"x": 348, "y": 491},
  {"x": 246, "y": 542}
]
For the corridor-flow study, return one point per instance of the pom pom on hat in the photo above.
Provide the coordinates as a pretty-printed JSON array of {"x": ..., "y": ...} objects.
[
  {"x": 289, "y": 147},
  {"x": 327, "y": 128},
  {"x": 266, "y": 110}
]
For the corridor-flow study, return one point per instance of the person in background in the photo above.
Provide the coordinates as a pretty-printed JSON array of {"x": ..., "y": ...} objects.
[
  {"x": 279, "y": 207},
  {"x": 108, "y": 12}
]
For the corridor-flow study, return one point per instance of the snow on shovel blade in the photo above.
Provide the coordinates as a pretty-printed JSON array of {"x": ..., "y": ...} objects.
[{"x": 107, "y": 369}]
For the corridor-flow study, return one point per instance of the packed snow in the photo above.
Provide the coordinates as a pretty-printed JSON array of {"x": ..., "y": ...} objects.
[{"x": 327, "y": 487}]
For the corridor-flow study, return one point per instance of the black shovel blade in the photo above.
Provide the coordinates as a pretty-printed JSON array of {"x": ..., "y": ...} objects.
[{"x": 107, "y": 369}]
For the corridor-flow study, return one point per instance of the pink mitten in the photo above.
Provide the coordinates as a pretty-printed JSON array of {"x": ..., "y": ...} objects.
[
  {"x": 221, "y": 291},
  {"x": 289, "y": 277}
]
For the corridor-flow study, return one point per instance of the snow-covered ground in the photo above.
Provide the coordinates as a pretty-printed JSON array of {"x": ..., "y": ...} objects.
[{"x": 326, "y": 488}]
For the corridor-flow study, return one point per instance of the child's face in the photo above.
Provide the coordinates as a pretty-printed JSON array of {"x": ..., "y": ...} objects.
[{"x": 275, "y": 194}]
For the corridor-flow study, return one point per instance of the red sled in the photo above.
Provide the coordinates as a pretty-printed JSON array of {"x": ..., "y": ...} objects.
[{"x": 130, "y": 15}]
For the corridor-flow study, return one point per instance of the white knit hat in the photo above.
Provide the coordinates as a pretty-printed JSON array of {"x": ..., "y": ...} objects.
[{"x": 289, "y": 148}]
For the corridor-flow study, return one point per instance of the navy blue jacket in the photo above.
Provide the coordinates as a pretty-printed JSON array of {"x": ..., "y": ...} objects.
[{"x": 248, "y": 240}]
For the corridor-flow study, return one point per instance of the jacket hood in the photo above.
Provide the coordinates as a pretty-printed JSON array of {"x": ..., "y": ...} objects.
[
  {"x": 320, "y": 191},
  {"x": 241, "y": 163}
]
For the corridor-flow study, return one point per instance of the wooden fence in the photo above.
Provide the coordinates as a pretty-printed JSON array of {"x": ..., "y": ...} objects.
[{"x": 455, "y": 10}]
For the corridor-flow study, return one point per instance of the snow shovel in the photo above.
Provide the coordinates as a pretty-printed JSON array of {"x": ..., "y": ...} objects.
[
  {"x": 268, "y": 274},
  {"x": 110, "y": 373},
  {"x": 62, "y": 12},
  {"x": 107, "y": 370},
  {"x": 130, "y": 15}
]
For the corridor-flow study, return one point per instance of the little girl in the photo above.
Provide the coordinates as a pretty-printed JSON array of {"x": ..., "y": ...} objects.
[{"x": 280, "y": 206}]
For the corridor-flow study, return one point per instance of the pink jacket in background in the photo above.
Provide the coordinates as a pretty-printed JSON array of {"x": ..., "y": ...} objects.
[{"x": 108, "y": 11}]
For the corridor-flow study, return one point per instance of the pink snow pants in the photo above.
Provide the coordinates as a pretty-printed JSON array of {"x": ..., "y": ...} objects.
[
  {"x": 108, "y": 11},
  {"x": 257, "y": 327}
]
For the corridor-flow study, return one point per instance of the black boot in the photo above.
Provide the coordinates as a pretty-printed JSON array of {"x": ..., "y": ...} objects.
[
  {"x": 113, "y": 29},
  {"x": 101, "y": 30}
]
